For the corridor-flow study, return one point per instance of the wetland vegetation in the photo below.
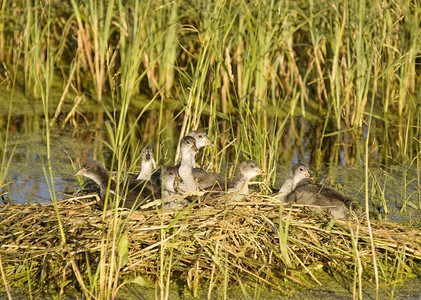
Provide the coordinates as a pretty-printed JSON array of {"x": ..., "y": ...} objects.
[{"x": 335, "y": 85}]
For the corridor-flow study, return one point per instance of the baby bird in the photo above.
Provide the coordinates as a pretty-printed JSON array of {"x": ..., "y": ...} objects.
[
  {"x": 148, "y": 164},
  {"x": 298, "y": 173},
  {"x": 201, "y": 138},
  {"x": 169, "y": 176},
  {"x": 208, "y": 180},
  {"x": 314, "y": 194},
  {"x": 205, "y": 179},
  {"x": 188, "y": 151},
  {"x": 247, "y": 170},
  {"x": 133, "y": 193}
]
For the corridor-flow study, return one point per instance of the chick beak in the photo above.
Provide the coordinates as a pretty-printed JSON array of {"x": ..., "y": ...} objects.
[
  {"x": 209, "y": 143},
  {"x": 79, "y": 173},
  {"x": 260, "y": 171},
  {"x": 308, "y": 175}
]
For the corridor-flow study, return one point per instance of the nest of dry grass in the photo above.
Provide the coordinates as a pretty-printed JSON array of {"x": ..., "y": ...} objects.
[{"x": 245, "y": 241}]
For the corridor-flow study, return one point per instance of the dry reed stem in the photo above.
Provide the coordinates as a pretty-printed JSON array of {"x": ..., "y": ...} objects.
[{"x": 3, "y": 276}]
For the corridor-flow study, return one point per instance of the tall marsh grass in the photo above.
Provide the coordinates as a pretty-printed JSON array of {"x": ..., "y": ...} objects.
[{"x": 234, "y": 67}]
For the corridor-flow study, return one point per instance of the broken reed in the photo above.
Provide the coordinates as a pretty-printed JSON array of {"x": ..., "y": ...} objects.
[
  {"x": 212, "y": 244},
  {"x": 238, "y": 68}
]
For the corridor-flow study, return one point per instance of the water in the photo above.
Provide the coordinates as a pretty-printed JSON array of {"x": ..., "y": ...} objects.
[{"x": 29, "y": 167}]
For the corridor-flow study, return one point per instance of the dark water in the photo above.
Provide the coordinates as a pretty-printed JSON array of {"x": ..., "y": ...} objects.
[{"x": 29, "y": 167}]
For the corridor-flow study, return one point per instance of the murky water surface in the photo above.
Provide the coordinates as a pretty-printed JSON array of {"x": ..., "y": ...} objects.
[{"x": 29, "y": 167}]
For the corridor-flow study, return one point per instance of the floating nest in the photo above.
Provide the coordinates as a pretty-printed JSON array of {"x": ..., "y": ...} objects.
[{"x": 256, "y": 241}]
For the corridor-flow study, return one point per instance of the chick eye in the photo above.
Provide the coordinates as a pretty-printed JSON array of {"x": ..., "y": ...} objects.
[
  {"x": 301, "y": 169},
  {"x": 200, "y": 136}
]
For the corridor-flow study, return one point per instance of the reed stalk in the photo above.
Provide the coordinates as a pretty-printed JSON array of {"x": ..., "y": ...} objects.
[
  {"x": 367, "y": 209},
  {"x": 6, "y": 160},
  {"x": 4, "y": 279}
]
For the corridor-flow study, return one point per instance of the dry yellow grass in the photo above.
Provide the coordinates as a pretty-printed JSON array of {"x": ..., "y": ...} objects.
[{"x": 206, "y": 242}]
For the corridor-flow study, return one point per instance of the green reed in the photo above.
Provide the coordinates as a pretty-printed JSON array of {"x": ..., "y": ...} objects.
[
  {"x": 417, "y": 159},
  {"x": 94, "y": 20},
  {"x": 366, "y": 207},
  {"x": 6, "y": 159}
]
